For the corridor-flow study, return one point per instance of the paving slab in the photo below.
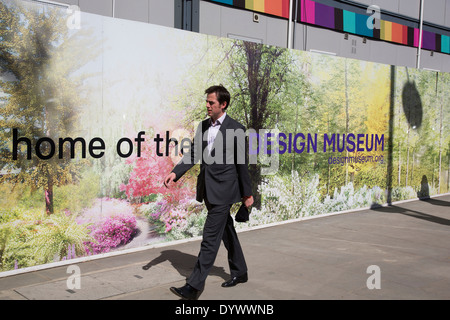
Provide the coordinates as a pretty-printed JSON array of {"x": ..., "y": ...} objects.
[{"x": 321, "y": 258}]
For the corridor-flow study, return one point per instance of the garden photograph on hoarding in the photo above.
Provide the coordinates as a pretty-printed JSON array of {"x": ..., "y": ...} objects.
[{"x": 93, "y": 118}]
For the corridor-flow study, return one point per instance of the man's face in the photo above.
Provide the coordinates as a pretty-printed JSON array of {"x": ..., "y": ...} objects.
[{"x": 214, "y": 108}]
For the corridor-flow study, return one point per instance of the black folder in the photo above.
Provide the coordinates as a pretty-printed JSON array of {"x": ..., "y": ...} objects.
[{"x": 242, "y": 215}]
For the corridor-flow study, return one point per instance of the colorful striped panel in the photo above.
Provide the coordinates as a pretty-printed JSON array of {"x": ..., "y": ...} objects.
[
  {"x": 315, "y": 13},
  {"x": 318, "y": 14},
  {"x": 279, "y": 8}
]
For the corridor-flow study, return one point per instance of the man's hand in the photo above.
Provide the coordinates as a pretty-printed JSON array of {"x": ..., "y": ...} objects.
[
  {"x": 170, "y": 177},
  {"x": 247, "y": 201}
]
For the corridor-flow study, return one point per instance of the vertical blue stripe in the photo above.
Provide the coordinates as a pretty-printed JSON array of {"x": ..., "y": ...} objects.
[
  {"x": 349, "y": 21},
  {"x": 230, "y": 2},
  {"x": 361, "y": 25},
  {"x": 445, "y": 44}
]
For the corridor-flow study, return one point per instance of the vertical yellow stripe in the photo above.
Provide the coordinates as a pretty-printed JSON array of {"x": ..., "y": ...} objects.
[
  {"x": 258, "y": 5},
  {"x": 382, "y": 29},
  {"x": 388, "y": 31},
  {"x": 249, "y": 4}
]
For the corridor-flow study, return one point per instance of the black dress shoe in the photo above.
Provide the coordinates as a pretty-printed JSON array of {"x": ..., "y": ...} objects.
[
  {"x": 235, "y": 280},
  {"x": 186, "y": 292}
]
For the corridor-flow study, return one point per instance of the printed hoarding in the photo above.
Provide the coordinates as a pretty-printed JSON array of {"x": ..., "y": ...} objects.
[{"x": 94, "y": 115}]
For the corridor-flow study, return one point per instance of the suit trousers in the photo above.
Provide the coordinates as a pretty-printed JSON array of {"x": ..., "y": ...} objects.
[{"x": 219, "y": 225}]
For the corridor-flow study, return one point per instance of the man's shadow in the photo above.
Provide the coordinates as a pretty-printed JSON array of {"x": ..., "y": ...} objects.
[
  {"x": 424, "y": 192},
  {"x": 183, "y": 263},
  {"x": 415, "y": 214},
  {"x": 437, "y": 202}
]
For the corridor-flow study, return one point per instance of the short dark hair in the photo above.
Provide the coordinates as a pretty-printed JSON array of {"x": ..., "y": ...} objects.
[{"x": 221, "y": 92}]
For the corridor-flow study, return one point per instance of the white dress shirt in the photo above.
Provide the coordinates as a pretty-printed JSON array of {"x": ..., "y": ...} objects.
[{"x": 213, "y": 129}]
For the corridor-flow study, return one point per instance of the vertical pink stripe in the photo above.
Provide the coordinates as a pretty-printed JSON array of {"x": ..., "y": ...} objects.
[
  {"x": 308, "y": 11},
  {"x": 416, "y": 37}
]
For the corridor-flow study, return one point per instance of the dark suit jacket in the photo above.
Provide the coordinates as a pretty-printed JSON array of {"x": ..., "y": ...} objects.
[{"x": 224, "y": 176}]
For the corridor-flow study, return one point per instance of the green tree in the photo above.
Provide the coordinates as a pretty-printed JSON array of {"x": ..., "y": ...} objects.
[
  {"x": 259, "y": 74},
  {"x": 39, "y": 60}
]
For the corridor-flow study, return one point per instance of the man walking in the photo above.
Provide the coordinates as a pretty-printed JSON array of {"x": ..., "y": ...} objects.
[{"x": 219, "y": 145}]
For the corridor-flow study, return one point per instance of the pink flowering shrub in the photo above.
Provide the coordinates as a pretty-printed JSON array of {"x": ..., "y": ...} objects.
[
  {"x": 112, "y": 224},
  {"x": 174, "y": 218},
  {"x": 147, "y": 176},
  {"x": 148, "y": 173},
  {"x": 168, "y": 216},
  {"x": 111, "y": 233},
  {"x": 176, "y": 203}
]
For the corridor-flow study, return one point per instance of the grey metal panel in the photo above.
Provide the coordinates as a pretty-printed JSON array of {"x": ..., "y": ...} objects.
[
  {"x": 299, "y": 36},
  {"x": 323, "y": 40},
  {"x": 240, "y": 22},
  {"x": 434, "y": 11},
  {"x": 224, "y": 21},
  {"x": 354, "y": 47},
  {"x": 136, "y": 10},
  {"x": 445, "y": 63},
  {"x": 434, "y": 62},
  {"x": 410, "y": 8},
  {"x": 195, "y": 15},
  {"x": 388, "y": 5},
  {"x": 406, "y": 56},
  {"x": 228, "y": 22},
  {"x": 102, "y": 7},
  {"x": 178, "y": 14},
  {"x": 447, "y": 13},
  {"x": 161, "y": 12},
  {"x": 383, "y": 52},
  {"x": 186, "y": 14},
  {"x": 209, "y": 19},
  {"x": 277, "y": 32}
]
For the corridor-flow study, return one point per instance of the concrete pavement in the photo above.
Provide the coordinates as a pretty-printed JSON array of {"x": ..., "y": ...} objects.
[{"x": 407, "y": 245}]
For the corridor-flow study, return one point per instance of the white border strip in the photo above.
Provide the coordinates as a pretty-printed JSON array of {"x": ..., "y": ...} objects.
[
  {"x": 324, "y": 215},
  {"x": 52, "y": 3},
  {"x": 176, "y": 242}
]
